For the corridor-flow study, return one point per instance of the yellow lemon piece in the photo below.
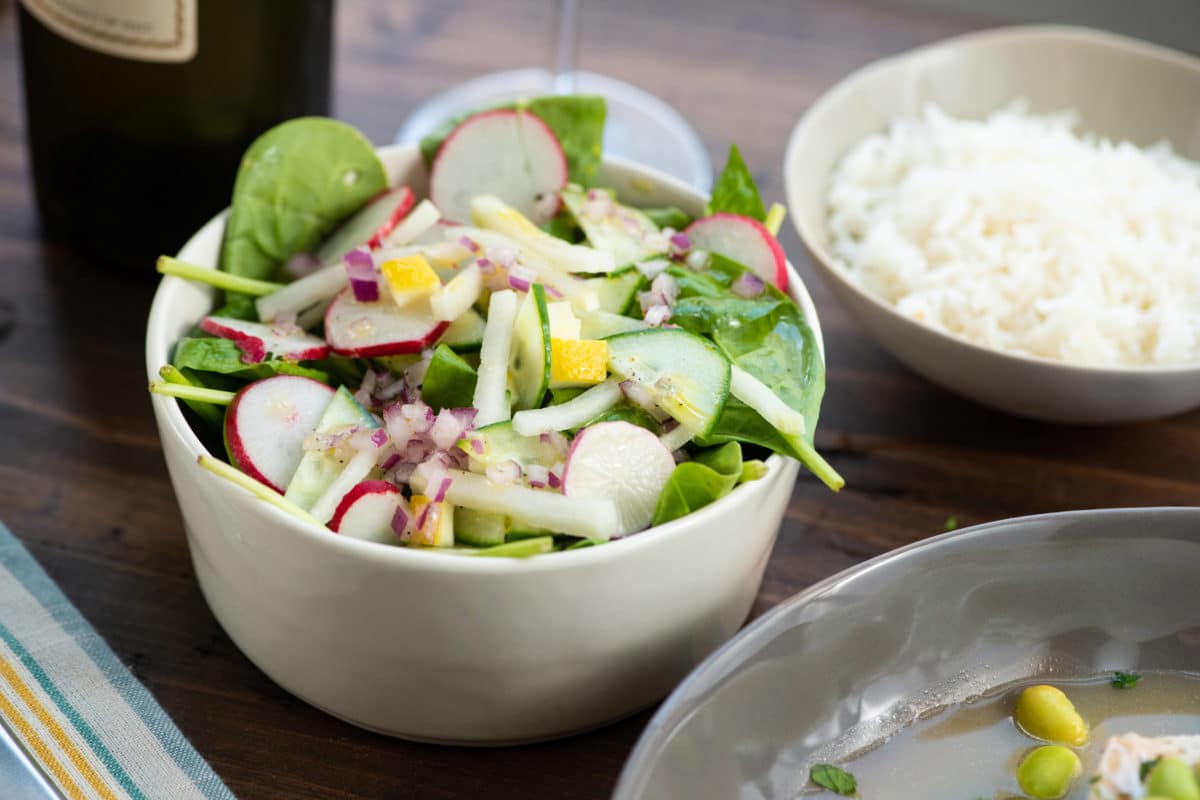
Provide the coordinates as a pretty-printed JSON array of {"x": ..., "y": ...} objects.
[
  {"x": 433, "y": 523},
  {"x": 577, "y": 362},
  {"x": 410, "y": 278}
]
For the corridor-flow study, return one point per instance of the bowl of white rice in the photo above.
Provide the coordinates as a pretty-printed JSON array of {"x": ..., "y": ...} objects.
[{"x": 1015, "y": 215}]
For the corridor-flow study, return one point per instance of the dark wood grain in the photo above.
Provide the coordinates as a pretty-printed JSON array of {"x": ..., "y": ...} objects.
[{"x": 83, "y": 484}]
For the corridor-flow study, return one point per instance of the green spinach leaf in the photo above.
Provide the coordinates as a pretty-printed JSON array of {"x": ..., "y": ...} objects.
[
  {"x": 223, "y": 357},
  {"x": 835, "y": 779},
  {"x": 709, "y": 476},
  {"x": 669, "y": 217},
  {"x": 735, "y": 191},
  {"x": 577, "y": 121},
  {"x": 296, "y": 183},
  {"x": 626, "y": 412}
]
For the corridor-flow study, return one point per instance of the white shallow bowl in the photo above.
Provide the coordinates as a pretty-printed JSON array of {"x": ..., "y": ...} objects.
[
  {"x": 447, "y": 648},
  {"x": 1122, "y": 89}
]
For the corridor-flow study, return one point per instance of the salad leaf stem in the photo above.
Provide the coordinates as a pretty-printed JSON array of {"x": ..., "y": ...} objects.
[
  {"x": 816, "y": 463},
  {"x": 206, "y": 411},
  {"x": 191, "y": 392},
  {"x": 221, "y": 469},
  {"x": 221, "y": 280},
  {"x": 774, "y": 218}
]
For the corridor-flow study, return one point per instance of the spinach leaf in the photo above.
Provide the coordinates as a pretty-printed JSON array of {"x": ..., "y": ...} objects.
[
  {"x": 835, "y": 779},
  {"x": 1125, "y": 680},
  {"x": 223, "y": 357},
  {"x": 296, "y": 183},
  {"x": 711, "y": 475},
  {"x": 735, "y": 191},
  {"x": 626, "y": 412},
  {"x": 577, "y": 121},
  {"x": 563, "y": 226},
  {"x": 670, "y": 217},
  {"x": 449, "y": 381},
  {"x": 765, "y": 335}
]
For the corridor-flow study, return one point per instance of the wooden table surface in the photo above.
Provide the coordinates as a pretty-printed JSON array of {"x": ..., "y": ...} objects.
[{"x": 83, "y": 484}]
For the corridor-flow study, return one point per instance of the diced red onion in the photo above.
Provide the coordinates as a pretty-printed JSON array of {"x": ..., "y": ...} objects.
[
  {"x": 414, "y": 376},
  {"x": 748, "y": 285},
  {"x": 477, "y": 447},
  {"x": 555, "y": 476},
  {"x": 423, "y": 516},
  {"x": 666, "y": 286},
  {"x": 379, "y": 437},
  {"x": 537, "y": 475},
  {"x": 520, "y": 278},
  {"x": 442, "y": 488},
  {"x": 363, "y": 439},
  {"x": 469, "y": 243},
  {"x": 393, "y": 389},
  {"x": 367, "y": 388},
  {"x": 457, "y": 458},
  {"x": 360, "y": 269},
  {"x": 400, "y": 472},
  {"x": 400, "y": 521},
  {"x": 552, "y": 292},
  {"x": 506, "y": 472},
  {"x": 680, "y": 242},
  {"x": 450, "y": 425},
  {"x": 485, "y": 265},
  {"x": 657, "y": 315},
  {"x": 390, "y": 462}
]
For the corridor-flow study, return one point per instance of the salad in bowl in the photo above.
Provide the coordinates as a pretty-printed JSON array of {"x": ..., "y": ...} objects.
[{"x": 519, "y": 363}]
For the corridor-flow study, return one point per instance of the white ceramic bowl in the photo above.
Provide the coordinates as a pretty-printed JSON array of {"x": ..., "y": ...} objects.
[
  {"x": 449, "y": 648},
  {"x": 1122, "y": 89}
]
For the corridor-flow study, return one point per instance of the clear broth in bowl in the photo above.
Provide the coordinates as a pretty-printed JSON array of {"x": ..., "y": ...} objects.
[{"x": 972, "y": 749}]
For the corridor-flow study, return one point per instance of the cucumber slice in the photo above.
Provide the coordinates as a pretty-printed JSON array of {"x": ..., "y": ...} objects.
[
  {"x": 449, "y": 382},
  {"x": 499, "y": 443},
  {"x": 618, "y": 229},
  {"x": 479, "y": 528},
  {"x": 602, "y": 324},
  {"x": 318, "y": 469},
  {"x": 686, "y": 374},
  {"x": 530, "y": 364},
  {"x": 491, "y": 389},
  {"x": 465, "y": 334},
  {"x": 617, "y": 293}
]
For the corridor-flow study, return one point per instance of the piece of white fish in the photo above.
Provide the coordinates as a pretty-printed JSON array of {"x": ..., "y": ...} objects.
[{"x": 1118, "y": 776}]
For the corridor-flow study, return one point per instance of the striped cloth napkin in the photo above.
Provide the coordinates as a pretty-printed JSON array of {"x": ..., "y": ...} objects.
[{"x": 86, "y": 723}]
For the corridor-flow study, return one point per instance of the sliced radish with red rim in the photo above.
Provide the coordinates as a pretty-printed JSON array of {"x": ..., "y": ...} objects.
[
  {"x": 257, "y": 340},
  {"x": 367, "y": 330},
  {"x": 744, "y": 240},
  {"x": 267, "y": 422},
  {"x": 366, "y": 512}
]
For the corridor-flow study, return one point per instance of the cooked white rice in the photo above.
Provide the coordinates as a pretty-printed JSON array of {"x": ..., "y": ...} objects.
[{"x": 1016, "y": 234}]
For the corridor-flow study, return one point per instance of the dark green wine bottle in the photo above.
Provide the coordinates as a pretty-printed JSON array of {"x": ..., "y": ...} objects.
[{"x": 138, "y": 113}]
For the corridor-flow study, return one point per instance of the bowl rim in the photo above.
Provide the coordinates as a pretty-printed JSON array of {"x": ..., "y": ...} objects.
[
  {"x": 829, "y": 266},
  {"x": 169, "y": 413},
  {"x": 724, "y": 660}
]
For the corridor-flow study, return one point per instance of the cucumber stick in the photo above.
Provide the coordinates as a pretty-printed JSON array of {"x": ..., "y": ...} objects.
[
  {"x": 318, "y": 469},
  {"x": 530, "y": 360}
]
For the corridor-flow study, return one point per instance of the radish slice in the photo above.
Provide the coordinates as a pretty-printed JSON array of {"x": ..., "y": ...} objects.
[
  {"x": 746, "y": 241},
  {"x": 571, "y": 414},
  {"x": 257, "y": 340},
  {"x": 422, "y": 218},
  {"x": 366, "y": 512},
  {"x": 492, "y": 213},
  {"x": 491, "y": 388},
  {"x": 453, "y": 299},
  {"x": 591, "y": 516},
  {"x": 367, "y": 330},
  {"x": 312, "y": 291},
  {"x": 756, "y": 394},
  {"x": 266, "y": 425},
  {"x": 355, "y": 471},
  {"x": 368, "y": 226},
  {"x": 505, "y": 152},
  {"x": 623, "y": 462}
]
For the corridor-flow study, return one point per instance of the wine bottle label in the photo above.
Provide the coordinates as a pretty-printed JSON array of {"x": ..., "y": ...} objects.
[{"x": 143, "y": 30}]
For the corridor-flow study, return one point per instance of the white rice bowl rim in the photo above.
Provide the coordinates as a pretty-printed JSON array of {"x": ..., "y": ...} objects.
[{"x": 833, "y": 268}]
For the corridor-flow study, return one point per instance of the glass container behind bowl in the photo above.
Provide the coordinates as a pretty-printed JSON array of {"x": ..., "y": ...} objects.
[{"x": 138, "y": 115}]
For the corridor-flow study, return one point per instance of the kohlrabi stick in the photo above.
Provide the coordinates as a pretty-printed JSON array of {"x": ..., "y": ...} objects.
[
  {"x": 775, "y": 218},
  {"x": 255, "y": 488},
  {"x": 189, "y": 391},
  {"x": 213, "y": 277}
]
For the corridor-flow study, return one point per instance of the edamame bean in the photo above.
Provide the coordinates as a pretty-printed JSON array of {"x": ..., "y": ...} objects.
[
  {"x": 1173, "y": 779},
  {"x": 1044, "y": 712},
  {"x": 1046, "y": 773}
]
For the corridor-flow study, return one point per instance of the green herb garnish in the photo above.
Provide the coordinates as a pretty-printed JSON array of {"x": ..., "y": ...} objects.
[
  {"x": 1125, "y": 680},
  {"x": 835, "y": 779},
  {"x": 951, "y": 524},
  {"x": 1146, "y": 767}
]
